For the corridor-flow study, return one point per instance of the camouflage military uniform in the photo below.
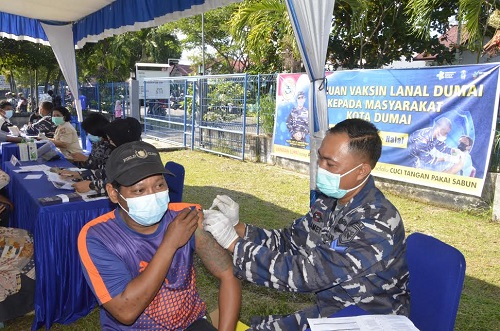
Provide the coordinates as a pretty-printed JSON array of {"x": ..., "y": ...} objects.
[
  {"x": 426, "y": 150},
  {"x": 96, "y": 164},
  {"x": 298, "y": 121},
  {"x": 350, "y": 254},
  {"x": 44, "y": 125}
]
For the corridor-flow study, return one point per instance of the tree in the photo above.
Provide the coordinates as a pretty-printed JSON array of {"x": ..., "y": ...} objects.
[
  {"x": 223, "y": 54},
  {"x": 365, "y": 34},
  {"x": 25, "y": 62},
  {"x": 163, "y": 45},
  {"x": 103, "y": 61},
  {"x": 382, "y": 36},
  {"x": 112, "y": 59},
  {"x": 265, "y": 31},
  {"x": 472, "y": 16}
]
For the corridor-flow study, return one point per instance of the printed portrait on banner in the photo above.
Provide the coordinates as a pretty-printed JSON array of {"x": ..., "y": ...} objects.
[{"x": 291, "y": 128}]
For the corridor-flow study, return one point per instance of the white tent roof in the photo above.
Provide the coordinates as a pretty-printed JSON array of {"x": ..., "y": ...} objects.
[
  {"x": 63, "y": 24},
  {"x": 55, "y": 22},
  {"x": 62, "y": 10}
]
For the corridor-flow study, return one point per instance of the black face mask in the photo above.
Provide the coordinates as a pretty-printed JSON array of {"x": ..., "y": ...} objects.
[{"x": 462, "y": 147}]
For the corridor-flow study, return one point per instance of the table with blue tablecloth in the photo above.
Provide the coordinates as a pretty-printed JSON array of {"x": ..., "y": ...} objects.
[
  {"x": 9, "y": 149},
  {"x": 62, "y": 294}
]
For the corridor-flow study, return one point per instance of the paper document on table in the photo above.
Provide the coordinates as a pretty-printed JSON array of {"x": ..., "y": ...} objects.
[
  {"x": 36, "y": 176},
  {"x": 59, "y": 182},
  {"x": 363, "y": 323},
  {"x": 30, "y": 168}
]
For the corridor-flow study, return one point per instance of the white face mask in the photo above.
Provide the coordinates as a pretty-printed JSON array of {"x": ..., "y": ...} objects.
[
  {"x": 9, "y": 113},
  {"x": 148, "y": 209},
  {"x": 441, "y": 138}
]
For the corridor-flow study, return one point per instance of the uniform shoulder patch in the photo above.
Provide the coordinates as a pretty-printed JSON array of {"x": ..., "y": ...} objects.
[{"x": 350, "y": 232}]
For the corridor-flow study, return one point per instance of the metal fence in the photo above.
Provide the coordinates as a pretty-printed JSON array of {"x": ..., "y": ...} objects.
[
  {"x": 102, "y": 97},
  {"x": 211, "y": 113}
]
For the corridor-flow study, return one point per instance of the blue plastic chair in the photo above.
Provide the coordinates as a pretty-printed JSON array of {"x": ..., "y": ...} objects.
[
  {"x": 175, "y": 183},
  {"x": 437, "y": 272}
]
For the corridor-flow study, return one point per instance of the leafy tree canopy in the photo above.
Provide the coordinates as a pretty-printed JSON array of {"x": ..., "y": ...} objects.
[{"x": 381, "y": 35}]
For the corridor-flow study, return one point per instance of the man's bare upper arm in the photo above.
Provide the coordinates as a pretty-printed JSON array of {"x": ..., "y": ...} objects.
[{"x": 215, "y": 258}]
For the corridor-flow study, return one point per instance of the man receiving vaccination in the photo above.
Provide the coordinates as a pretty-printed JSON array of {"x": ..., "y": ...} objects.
[
  {"x": 349, "y": 249},
  {"x": 138, "y": 258}
]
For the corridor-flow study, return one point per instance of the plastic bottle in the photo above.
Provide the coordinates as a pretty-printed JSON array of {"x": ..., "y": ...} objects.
[
  {"x": 23, "y": 151},
  {"x": 32, "y": 150}
]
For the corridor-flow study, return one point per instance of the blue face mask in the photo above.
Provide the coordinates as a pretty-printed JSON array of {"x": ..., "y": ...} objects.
[
  {"x": 329, "y": 184},
  {"x": 93, "y": 138},
  {"x": 148, "y": 209},
  {"x": 9, "y": 113}
]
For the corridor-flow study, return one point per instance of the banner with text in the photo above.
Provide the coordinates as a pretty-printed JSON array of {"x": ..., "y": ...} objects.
[{"x": 437, "y": 124}]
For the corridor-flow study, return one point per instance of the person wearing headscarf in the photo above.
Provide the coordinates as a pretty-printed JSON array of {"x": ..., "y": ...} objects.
[
  {"x": 94, "y": 125},
  {"x": 117, "y": 133},
  {"x": 123, "y": 130}
]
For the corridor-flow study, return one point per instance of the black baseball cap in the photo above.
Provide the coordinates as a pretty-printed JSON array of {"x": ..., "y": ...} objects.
[{"x": 132, "y": 162}]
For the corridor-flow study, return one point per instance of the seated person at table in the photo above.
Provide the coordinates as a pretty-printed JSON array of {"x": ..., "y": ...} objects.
[
  {"x": 6, "y": 205},
  {"x": 94, "y": 125},
  {"x": 349, "y": 249},
  {"x": 138, "y": 259},
  {"x": 65, "y": 138},
  {"x": 45, "y": 124},
  {"x": 34, "y": 117},
  {"x": 4, "y": 136},
  {"x": 116, "y": 133},
  {"x": 119, "y": 130},
  {"x": 6, "y": 112}
]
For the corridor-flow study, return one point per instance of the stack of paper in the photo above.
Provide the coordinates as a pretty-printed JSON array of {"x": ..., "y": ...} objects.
[{"x": 363, "y": 323}]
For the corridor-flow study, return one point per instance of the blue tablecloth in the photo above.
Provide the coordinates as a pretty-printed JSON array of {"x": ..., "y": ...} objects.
[
  {"x": 62, "y": 294},
  {"x": 9, "y": 149}
]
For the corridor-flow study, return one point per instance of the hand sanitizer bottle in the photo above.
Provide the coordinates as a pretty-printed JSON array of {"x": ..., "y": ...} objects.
[
  {"x": 33, "y": 153},
  {"x": 23, "y": 151}
]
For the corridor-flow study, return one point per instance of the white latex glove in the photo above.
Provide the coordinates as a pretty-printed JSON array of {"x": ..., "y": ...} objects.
[
  {"x": 207, "y": 213},
  {"x": 220, "y": 227},
  {"x": 228, "y": 207},
  {"x": 452, "y": 158}
]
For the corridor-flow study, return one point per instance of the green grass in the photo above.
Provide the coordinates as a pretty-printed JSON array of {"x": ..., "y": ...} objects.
[{"x": 273, "y": 197}]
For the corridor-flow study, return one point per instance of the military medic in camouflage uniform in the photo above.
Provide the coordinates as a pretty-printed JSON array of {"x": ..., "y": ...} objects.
[
  {"x": 297, "y": 122},
  {"x": 349, "y": 249},
  {"x": 429, "y": 150},
  {"x": 45, "y": 124}
]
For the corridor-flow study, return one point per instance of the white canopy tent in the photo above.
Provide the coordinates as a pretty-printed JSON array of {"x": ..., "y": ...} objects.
[
  {"x": 66, "y": 25},
  {"x": 312, "y": 22}
]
